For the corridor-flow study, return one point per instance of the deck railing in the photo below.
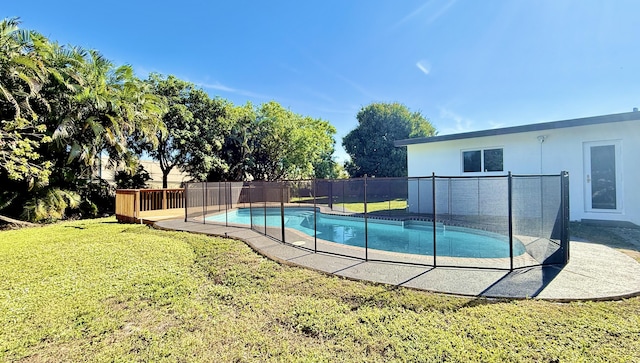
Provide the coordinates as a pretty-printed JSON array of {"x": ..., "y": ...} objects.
[{"x": 131, "y": 204}]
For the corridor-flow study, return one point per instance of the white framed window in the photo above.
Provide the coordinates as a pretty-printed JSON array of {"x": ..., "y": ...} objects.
[{"x": 479, "y": 160}]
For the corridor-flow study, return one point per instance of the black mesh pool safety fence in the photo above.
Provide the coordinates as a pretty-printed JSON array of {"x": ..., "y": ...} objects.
[{"x": 496, "y": 222}]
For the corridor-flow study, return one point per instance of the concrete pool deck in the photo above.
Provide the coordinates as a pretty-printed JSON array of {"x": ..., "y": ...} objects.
[{"x": 594, "y": 272}]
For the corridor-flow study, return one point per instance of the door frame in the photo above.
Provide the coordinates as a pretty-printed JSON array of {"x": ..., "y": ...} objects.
[{"x": 586, "y": 153}]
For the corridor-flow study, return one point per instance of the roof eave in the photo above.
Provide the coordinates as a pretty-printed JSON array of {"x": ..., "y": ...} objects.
[{"x": 594, "y": 120}]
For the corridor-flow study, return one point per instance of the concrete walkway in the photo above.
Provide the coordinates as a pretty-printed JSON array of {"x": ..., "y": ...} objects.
[{"x": 595, "y": 272}]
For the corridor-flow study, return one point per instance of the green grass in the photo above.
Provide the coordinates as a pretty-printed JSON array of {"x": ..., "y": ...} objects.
[
  {"x": 101, "y": 291},
  {"x": 396, "y": 205}
]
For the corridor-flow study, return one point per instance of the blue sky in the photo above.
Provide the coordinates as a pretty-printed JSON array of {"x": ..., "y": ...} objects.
[{"x": 465, "y": 65}]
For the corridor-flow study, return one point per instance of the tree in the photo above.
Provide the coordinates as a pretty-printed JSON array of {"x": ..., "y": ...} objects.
[
  {"x": 210, "y": 124},
  {"x": 110, "y": 106},
  {"x": 195, "y": 124},
  {"x": 273, "y": 143},
  {"x": 370, "y": 144},
  {"x": 137, "y": 180},
  {"x": 238, "y": 148},
  {"x": 326, "y": 167},
  {"x": 287, "y": 145},
  {"x": 95, "y": 109},
  {"x": 22, "y": 76},
  {"x": 60, "y": 108}
]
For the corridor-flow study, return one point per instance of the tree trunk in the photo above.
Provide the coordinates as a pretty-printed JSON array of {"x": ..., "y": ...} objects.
[
  {"x": 15, "y": 221},
  {"x": 165, "y": 175}
]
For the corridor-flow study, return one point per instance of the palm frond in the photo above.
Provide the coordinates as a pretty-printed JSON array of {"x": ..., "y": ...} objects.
[{"x": 50, "y": 204}]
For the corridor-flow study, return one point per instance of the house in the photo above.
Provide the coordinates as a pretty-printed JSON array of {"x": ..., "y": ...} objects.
[
  {"x": 175, "y": 179},
  {"x": 601, "y": 154}
]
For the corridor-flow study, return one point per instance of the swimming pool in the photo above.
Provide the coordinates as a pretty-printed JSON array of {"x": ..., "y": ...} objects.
[{"x": 409, "y": 236}]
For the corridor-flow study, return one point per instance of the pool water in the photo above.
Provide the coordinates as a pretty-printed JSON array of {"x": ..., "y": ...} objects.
[{"x": 415, "y": 237}]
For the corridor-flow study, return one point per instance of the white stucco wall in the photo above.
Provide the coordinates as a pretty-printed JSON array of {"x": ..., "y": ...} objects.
[{"x": 561, "y": 150}]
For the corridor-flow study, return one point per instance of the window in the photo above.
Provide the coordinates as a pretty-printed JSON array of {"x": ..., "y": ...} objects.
[
  {"x": 471, "y": 161},
  {"x": 493, "y": 160},
  {"x": 474, "y": 161}
]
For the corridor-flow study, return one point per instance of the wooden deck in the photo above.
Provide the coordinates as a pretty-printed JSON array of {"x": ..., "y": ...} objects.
[
  {"x": 149, "y": 205},
  {"x": 152, "y": 216}
]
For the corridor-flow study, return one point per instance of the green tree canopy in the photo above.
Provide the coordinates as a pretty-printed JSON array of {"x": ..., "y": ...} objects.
[
  {"x": 272, "y": 143},
  {"x": 60, "y": 108},
  {"x": 238, "y": 147},
  {"x": 196, "y": 126},
  {"x": 287, "y": 145},
  {"x": 370, "y": 144},
  {"x": 22, "y": 76}
]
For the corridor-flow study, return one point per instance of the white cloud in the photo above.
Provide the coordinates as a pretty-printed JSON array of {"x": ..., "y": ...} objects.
[
  {"x": 319, "y": 95},
  {"x": 217, "y": 86},
  {"x": 358, "y": 87},
  {"x": 496, "y": 125},
  {"x": 365, "y": 92},
  {"x": 220, "y": 87},
  {"x": 460, "y": 123},
  {"x": 412, "y": 14},
  {"x": 435, "y": 12},
  {"x": 443, "y": 9},
  {"x": 424, "y": 66}
]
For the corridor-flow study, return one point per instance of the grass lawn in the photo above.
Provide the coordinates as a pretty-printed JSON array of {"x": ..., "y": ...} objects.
[
  {"x": 102, "y": 291},
  {"x": 394, "y": 205}
]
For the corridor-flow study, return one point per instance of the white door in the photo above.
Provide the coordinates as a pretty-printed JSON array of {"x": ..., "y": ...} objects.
[{"x": 603, "y": 176}]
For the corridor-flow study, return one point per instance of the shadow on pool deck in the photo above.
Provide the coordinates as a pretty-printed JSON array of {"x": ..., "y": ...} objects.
[
  {"x": 528, "y": 282},
  {"x": 594, "y": 272}
]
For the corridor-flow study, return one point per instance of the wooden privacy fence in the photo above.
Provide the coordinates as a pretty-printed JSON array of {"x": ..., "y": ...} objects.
[{"x": 145, "y": 205}]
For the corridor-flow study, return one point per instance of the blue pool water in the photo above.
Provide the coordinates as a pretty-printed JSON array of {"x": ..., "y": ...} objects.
[{"x": 415, "y": 237}]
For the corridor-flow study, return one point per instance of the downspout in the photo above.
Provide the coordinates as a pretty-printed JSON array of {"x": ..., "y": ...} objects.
[{"x": 541, "y": 139}]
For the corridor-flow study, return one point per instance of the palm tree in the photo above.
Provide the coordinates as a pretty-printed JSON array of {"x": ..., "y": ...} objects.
[
  {"x": 73, "y": 97},
  {"x": 109, "y": 109},
  {"x": 22, "y": 75}
]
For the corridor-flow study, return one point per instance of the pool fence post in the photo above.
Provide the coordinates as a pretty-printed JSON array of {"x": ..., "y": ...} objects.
[
  {"x": 204, "y": 196},
  {"x": 418, "y": 196},
  {"x": 315, "y": 216},
  {"x": 564, "y": 191},
  {"x": 264, "y": 204},
  {"x": 186, "y": 202},
  {"x": 510, "y": 206},
  {"x": 389, "y": 181},
  {"x": 249, "y": 185},
  {"x": 282, "y": 209},
  {"x": 206, "y": 202},
  {"x": 433, "y": 202},
  {"x": 366, "y": 229},
  {"x": 343, "y": 201},
  {"x": 226, "y": 204},
  {"x": 219, "y": 196}
]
